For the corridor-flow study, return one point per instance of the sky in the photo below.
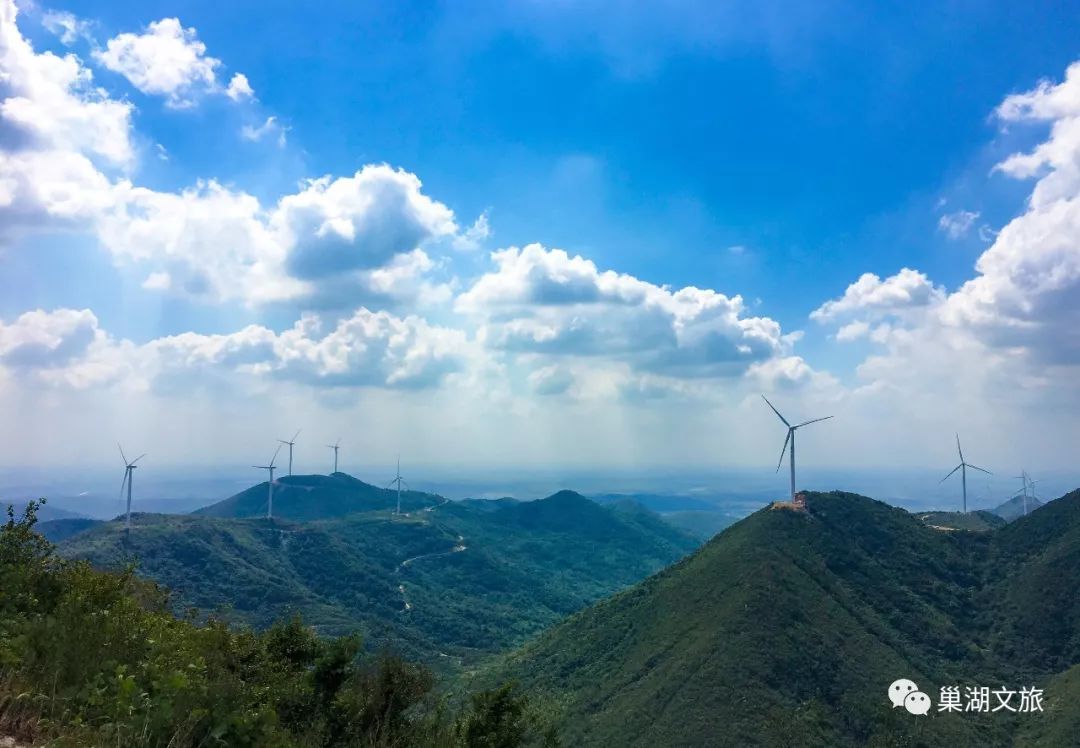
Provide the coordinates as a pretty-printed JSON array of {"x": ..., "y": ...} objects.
[{"x": 540, "y": 233}]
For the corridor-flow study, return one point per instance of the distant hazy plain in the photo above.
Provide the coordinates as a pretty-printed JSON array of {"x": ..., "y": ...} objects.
[{"x": 96, "y": 492}]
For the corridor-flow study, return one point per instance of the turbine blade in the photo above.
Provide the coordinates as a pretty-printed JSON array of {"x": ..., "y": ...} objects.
[
  {"x": 951, "y": 472},
  {"x": 296, "y": 435},
  {"x": 122, "y": 454},
  {"x": 958, "y": 448},
  {"x": 807, "y": 423},
  {"x": 782, "y": 451},
  {"x": 774, "y": 410},
  {"x": 124, "y": 482},
  {"x": 274, "y": 458},
  {"x": 974, "y": 467},
  {"x": 138, "y": 458}
]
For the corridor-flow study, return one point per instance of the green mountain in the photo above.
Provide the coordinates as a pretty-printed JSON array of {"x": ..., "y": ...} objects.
[
  {"x": 309, "y": 497},
  {"x": 453, "y": 581},
  {"x": 56, "y": 530},
  {"x": 789, "y": 627},
  {"x": 977, "y": 521},
  {"x": 1014, "y": 508}
]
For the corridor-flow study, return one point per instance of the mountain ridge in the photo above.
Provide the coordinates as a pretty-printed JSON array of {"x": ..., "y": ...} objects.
[{"x": 787, "y": 628}]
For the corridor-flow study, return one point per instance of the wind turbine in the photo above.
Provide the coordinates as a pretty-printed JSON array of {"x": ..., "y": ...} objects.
[
  {"x": 790, "y": 438},
  {"x": 270, "y": 483},
  {"x": 1028, "y": 490},
  {"x": 291, "y": 442},
  {"x": 334, "y": 447},
  {"x": 399, "y": 481},
  {"x": 1024, "y": 481},
  {"x": 962, "y": 467},
  {"x": 129, "y": 467}
]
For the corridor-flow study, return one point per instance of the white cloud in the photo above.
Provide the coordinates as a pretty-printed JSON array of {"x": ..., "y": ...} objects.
[
  {"x": 957, "y": 224},
  {"x": 853, "y": 331},
  {"x": 270, "y": 128},
  {"x": 908, "y": 289},
  {"x": 68, "y": 27},
  {"x": 474, "y": 236},
  {"x": 546, "y": 301},
  {"x": 239, "y": 88},
  {"x": 359, "y": 222},
  {"x": 67, "y": 348},
  {"x": 168, "y": 60},
  {"x": 1027, "y": 291},
  {"x": 49, "y": 102},
  {"x": 1010, "y": 336},
  {"x": 335, "y": 242},
  {"x": 41, "y": 338}
]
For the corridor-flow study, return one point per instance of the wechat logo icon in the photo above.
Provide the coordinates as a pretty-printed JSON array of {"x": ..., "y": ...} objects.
[{"x": 906, "y": 693}]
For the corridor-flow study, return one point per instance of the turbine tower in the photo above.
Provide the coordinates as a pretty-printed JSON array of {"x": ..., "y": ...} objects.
[
  {"x": 962, "y": 467},
  {"x": 129, "y": 468},
  {"x": 1023, "y": 491},
  {"x": 790, "y": 438},
  {"x": 270, "y": 483},
  {"x": 1028, "y": 491},
  {"x": 291, "y": 442},
  {"x": 398, "y": 480},
  {"x": 334, "y": 447}
]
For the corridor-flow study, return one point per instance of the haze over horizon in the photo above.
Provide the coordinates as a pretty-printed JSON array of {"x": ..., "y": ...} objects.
[{"x": 544, "y": 246}]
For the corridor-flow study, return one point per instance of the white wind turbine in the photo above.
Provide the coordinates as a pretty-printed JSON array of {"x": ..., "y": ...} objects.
[
  {"x": 129, "y": 469},
  {"x": 291, "y": 443},
  {"x": 399, "y": 481},
  {"x": 962, "y": 467},
  {"x": 335, "y": 447},
  {"x": 1028, "y": 491},
  {"x": 790, "y": 438},
  {"x": 270, "y": 483}
]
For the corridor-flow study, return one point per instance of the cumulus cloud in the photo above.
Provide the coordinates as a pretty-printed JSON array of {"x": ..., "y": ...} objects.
[
  {"x": 239, "y": 88},
  {"x": 358, "y": 222},
  {"x": 956, "y": 225},
  {"x": 1027, "y": 291},
  {"x": 1011, "y": 334},
  {"x": 546, "y": 301},
  {"x": 49, "y": 102},
  {"x": 908, "y": 289},
  {"x": 169, "y": 60},
  {"x": 375, "y": 349},
  {"x": 40, "y": 339},
  {"x": 64, "y": 146}
]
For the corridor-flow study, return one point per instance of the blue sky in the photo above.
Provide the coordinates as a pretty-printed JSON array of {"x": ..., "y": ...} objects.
[{"x": 755, "y": 150}]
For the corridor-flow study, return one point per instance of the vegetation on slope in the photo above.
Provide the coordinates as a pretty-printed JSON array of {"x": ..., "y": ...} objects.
[
  {"x": 788, "y": 628},
  {"x": 977, "y": 521},
  {"x": 521, "y": 567},
  {"x": 304, "y": 498},
  {"x": 94, "y": 658}
]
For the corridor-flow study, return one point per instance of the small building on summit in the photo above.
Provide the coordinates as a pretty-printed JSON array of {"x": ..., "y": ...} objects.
[{"x": 797, "y": 504}]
